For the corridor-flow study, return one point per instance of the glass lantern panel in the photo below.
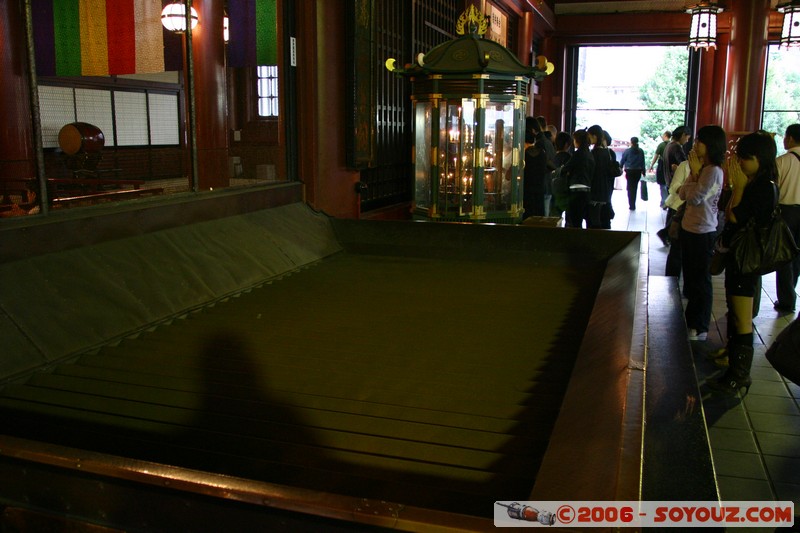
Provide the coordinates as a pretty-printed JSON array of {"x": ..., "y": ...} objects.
[
  {"x": 499, "y": 155},
  {"x": 456, "y": 149},
  {"x": 422, "y": 155}
]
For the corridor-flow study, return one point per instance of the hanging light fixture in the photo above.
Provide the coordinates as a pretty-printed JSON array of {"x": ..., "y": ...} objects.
[
  {"x": 173, "y": 17},
  {"x": 790, "y": 35},
  {"x": 703, "y": 33}
]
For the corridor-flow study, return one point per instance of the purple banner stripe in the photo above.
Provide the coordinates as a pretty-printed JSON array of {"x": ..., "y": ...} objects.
[{"x": 44, "y": 37}]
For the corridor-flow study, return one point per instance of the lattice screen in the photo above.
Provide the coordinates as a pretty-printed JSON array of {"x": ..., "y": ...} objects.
[
  {"x": 397, "y": 26},
  {"x": 126, "y": 118},
  {"x": 131, "y": 113},
  {"x": 57, "y": 108}
]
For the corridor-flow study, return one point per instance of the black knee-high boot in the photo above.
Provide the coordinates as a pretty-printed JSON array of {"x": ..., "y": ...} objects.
[{"x": 740, "y": 359}]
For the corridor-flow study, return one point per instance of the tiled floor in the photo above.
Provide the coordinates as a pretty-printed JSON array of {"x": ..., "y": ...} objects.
[{"x": 755, "y": 441}]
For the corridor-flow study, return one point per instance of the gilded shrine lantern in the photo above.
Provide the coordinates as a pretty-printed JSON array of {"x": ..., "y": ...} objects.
[{"x": 469, "y": 99}]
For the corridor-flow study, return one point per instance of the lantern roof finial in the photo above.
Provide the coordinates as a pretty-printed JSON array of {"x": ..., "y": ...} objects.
[{"x": 474, "y": 20}]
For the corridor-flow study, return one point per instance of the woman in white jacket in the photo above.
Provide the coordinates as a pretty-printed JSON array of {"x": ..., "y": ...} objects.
[{"x": 701, "y": 191}]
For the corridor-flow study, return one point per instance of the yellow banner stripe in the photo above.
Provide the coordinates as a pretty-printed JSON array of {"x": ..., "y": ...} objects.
[
  {"x": 94, "y": 38},
  {"x": 149, "y": 36}
]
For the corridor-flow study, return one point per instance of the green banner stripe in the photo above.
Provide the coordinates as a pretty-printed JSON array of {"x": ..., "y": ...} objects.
[
  {"x": 266, "y": 32},
  {"x": 66, "y": 26}
]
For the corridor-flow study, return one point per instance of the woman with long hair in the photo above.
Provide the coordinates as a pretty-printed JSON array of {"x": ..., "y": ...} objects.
[
  {"x": 751, "y": 173},
  {"x": 700, "y": 192}
]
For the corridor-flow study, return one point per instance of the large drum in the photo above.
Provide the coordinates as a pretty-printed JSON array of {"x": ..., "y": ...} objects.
[{"x": 81, "y": 137}]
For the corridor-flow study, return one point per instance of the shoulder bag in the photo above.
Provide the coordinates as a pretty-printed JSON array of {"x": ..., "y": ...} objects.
[
  {"x": 761, "y": 250},
  {"x": 674, "y": 228}
]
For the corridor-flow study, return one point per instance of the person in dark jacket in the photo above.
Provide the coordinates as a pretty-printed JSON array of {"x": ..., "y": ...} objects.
[
  {"x": 633, "y": 163},
  {"x": 579, "y": 169},
  {"x": 563, "y": 144},
  {"x": 602, "y": 180},
  {"x": 536, "y": 170}
]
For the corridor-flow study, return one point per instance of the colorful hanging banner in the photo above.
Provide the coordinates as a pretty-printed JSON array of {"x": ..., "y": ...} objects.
[
  {"x": 102, "y": 37},
  {"x": 253, "y": 33}
]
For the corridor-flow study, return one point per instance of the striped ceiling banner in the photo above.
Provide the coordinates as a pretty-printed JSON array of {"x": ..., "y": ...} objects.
[
  {"x": 253, "y": 33},
  {"x": 102, "y": 37}
]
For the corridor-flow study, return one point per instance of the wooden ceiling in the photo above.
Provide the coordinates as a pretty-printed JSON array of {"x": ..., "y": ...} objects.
[{"x": 582, "y": 7}]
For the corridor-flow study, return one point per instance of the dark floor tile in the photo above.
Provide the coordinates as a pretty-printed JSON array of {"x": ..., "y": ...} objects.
[
  {"x": 776, "y": 423},
  {"x": 757, "y": 403},
  {"x": 743, "y": 489},
  {"x": 794, "y": 389},
  {"x": 739, "y": 464},
  {"x": 761, "y": 360},
  {"x": 719, "y": 416},
  {"x": 714, "y": 403},
  {"x": 777, "y": 444},
  {"x": 732, "y": 439},
  {"x": 782, "y": 469},
  {"x": 770, "y": 388},
  {"x": 789, "y": 492},
  {"x": 764, "y": 372}
]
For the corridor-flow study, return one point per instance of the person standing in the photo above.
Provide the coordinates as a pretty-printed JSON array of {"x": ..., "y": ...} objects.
[
  {"x": 563, "y": 143},
  {"x": 579, "y": 169},
  {"x": 546, "y": 141},
  {"x": 789, "y": 183},
  {"x": 673, "y": 155},
  {"x": 602, "y": 180},
  {"x": 698, "y": 232},
  {"x": 658, "y": 161},
  {"x": 535, "y": 172},
  {"x": 751, "y": 173},
  {"x": 633, "y": 163}
]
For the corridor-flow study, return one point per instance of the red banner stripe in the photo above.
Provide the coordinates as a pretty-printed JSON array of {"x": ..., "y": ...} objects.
[{"x": 121, "y": 26}]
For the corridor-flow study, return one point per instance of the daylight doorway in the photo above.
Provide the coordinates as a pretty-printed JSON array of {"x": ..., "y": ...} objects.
[{"x": 632, "y": 91}]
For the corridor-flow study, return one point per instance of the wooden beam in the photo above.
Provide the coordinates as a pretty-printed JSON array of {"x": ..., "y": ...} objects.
[{"x": 544, "y": 12}]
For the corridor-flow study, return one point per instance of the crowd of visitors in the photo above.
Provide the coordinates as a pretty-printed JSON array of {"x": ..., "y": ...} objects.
[{"x": 710, "y": 188}]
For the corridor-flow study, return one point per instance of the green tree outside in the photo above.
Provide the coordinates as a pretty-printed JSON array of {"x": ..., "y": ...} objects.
[
  {"x": 663, "y": 97},
  {"x": 782, "y": 93},
  {"x": 664, "y": 94}
]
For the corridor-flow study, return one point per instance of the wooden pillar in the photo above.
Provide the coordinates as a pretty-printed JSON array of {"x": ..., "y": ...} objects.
[
  {"x": 711, "y": 94},
  {"x": 17, "y": 154},
  {"x": 208, "y": 50},
  {"x": 550, "y": 100},
  {"x": 329, "y": 184},
  {"x": 718, "y": 95},
  {"x": 747, "y": 59},
  {"x": 525, "y": 40}
]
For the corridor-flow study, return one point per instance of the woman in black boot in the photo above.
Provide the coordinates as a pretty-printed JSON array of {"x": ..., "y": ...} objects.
[{"x": 750, "y": 174}]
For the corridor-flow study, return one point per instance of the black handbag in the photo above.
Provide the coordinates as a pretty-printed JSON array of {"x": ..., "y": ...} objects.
[
  {"x": 784, "y": 353},
  {"x": 718, "y": 260},
  {"x": 613, "y": 166},
  {"x": 761, "y": 250}
]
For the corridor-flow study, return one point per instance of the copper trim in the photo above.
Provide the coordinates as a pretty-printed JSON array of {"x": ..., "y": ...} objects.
[{"x": 317, "y": 503}]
